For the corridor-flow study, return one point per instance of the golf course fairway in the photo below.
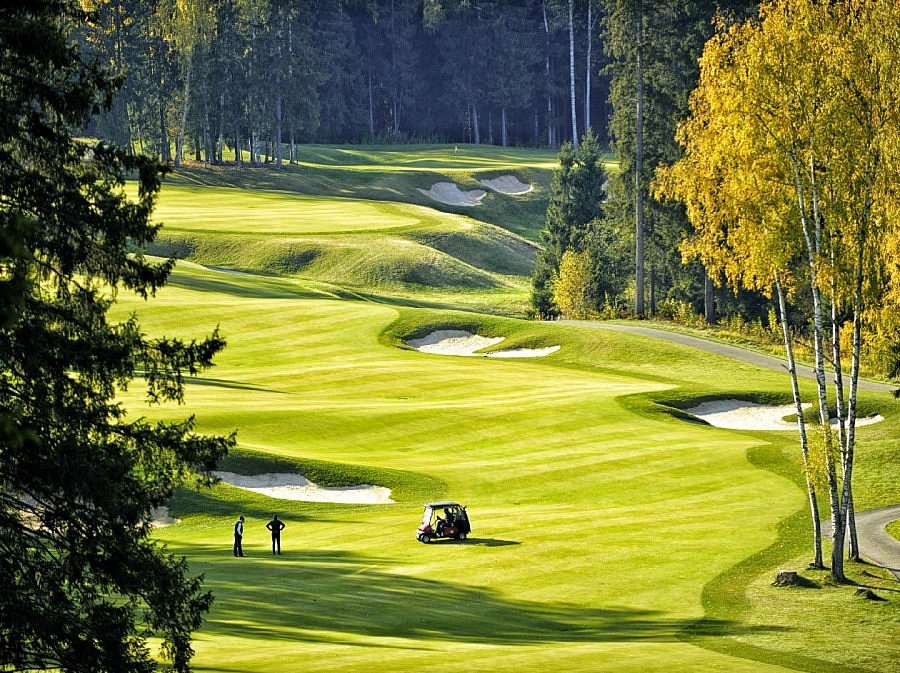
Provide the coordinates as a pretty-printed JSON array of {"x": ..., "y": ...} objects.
[{"x": 609, "y": 533}]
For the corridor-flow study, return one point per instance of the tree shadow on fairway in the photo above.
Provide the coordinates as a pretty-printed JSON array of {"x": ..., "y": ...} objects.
[
  {"x": 225, "y": 383},
  {"x": 308, "y": 595},
  {"x": 257, "y": 287}
]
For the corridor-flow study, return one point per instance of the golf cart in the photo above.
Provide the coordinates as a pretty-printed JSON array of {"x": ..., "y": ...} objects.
[{"x": 443, "y": 520}]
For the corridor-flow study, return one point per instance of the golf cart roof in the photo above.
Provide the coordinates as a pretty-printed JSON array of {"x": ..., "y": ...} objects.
[{"x": 442, "y": 504}]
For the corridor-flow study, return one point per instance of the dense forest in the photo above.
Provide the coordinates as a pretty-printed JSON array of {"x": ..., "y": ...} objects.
[{"x": 202, "y": 74}]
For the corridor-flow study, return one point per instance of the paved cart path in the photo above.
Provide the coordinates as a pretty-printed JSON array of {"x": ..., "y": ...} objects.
[
  {"x": 875, "y": 543},
  {"x": 727, "y": 350}
]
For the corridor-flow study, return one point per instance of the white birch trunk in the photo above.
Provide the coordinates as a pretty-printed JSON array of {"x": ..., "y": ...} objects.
[
  {"x": 572, "y": 73},
  {"x": 849, "y": 450},
  {"x": 801, "y": 428},
  {"x": 812, "y": 242},
  {"x": 587, "y": 74}
]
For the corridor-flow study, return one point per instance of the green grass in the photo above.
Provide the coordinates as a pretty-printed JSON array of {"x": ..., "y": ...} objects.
[
  {"x": 598, "y": 515},
  {"x": 367, "y": 246},
  {"x": 396, "y": 173},
  {"x": 609, "y": 533},
  {"x": 894, "y": 529}
]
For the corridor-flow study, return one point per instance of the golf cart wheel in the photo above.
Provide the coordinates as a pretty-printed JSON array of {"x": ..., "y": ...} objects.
[
  {"x": 425, "y": 539},
  {"x": 461, "y": 537}
]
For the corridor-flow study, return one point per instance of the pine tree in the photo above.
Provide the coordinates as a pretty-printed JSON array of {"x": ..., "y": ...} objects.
[
  {"x": 576, "y": 203},
  {"x": 83, "y": 584}
]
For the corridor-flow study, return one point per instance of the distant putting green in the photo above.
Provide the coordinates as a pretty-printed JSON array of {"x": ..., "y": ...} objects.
[
  {"x": 610, "y": 531},
  {"x": 396, "y": 173},
  {"x": 262, "y": 213}
]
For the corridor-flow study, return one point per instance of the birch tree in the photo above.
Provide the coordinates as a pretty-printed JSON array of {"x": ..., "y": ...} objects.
[
  {"x": 794, "y": 127},
  {"x": 187, "y": 24}
]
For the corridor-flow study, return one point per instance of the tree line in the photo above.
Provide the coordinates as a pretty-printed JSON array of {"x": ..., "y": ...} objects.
[
  {"x": 620, "y": 242},
  {"x": 263, "y": 75}
]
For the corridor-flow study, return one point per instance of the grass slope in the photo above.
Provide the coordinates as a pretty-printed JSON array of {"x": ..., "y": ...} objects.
[
  {"x": 361, "y": 245},
  {"x": 395, "y": 173},
  {"x": 602, "y": 521}
]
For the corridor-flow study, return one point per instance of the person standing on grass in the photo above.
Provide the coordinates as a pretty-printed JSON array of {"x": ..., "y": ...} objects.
[
  {"x": 275, "y": 526},
  {"x": 239, "y": 536}
]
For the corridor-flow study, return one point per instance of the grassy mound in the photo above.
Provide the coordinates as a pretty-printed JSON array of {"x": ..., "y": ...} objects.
[{"x": 347, "y": 242}]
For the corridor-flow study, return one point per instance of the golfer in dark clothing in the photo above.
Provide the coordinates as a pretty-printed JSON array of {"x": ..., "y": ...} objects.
[
  {"x": 238, "y": 536},
  {"x": 275, "y": 526}
]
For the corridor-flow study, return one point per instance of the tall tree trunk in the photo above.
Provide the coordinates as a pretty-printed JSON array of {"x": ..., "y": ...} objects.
[
  {"x": 475, "y": 128},
  {"x": 709, "y": 300},
  {"x": 587, "y": 74},
  {"x": 395, "y": 75},
  {"x": 848, "y": 451},
  {"x": 572, "y": 73},
  {"x": 801, "y": 427},
  {"x": 551, "y": 141},
  {"x": 220, "y": 139},
  {"x": 504, "y": 138},
  {"x": 179, "y": 138},
  {"x": 371, "y": 108},
  {"x": 812, "y": 241},
  {"x": 837, "y": 356},
  {"x": 278, "y": 120},
  {"x": 847, "y": 513},
  {"x": 207, "y": 134},
  {"x": 238, "y": 144},
  {"x": 639, "y": 168},
  {"x": 164, "y": 149}
]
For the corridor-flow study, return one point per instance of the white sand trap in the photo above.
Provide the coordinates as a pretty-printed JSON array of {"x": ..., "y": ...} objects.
[
  {"x": 743, "y": 415},
  {"x": 460, "y": 342},
  {"x": 452, "y": 195},
  {"x": 507, "y": 184},
  {"x": 292, "y": 486},
  {"x": 161, "y": 518},
  {"x": 453, "y": 342}
]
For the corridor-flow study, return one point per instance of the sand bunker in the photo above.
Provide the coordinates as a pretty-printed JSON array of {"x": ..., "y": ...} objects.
[
  {"x": 452, "y": 195},
  {"x": 507, "y": 184},
  {"x": 292, "y": 486},
  {"x": 743, "y": 415},
  {"x": 459, "y": 342},
  {"x": 161, "y": 518}
]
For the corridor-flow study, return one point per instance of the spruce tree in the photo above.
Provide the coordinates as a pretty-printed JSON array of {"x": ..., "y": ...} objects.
[
  {"x": 576, "y": 204},
  {"x": 83, "y": 586}
]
